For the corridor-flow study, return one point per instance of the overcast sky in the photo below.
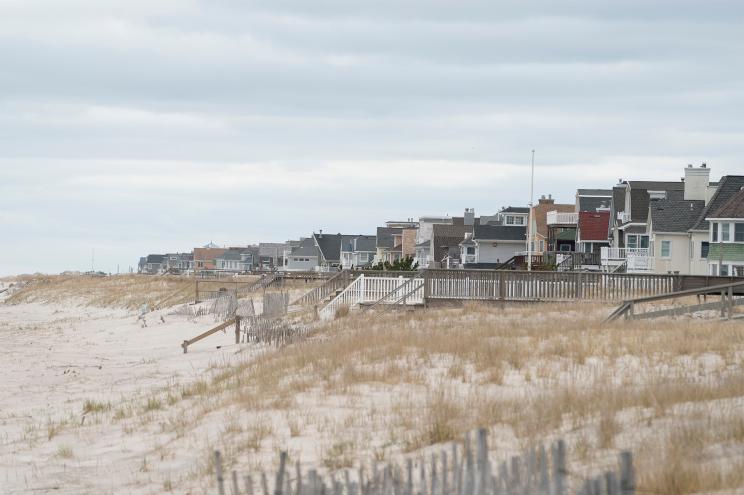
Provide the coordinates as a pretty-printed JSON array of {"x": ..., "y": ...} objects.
[{"x": 160, "y": 125}]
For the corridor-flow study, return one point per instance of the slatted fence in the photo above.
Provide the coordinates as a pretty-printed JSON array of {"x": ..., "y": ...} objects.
[{"x": 466, "y": 470}]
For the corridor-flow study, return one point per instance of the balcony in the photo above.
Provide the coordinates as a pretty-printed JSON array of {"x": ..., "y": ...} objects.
[
  {"x": 635, "y": 259},
  {"x": 623, "y": 216},
  {"x": 556, "y": 218}
]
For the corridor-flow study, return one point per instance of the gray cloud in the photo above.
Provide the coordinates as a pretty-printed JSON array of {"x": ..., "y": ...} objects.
[{"x": 161, "y": 125}]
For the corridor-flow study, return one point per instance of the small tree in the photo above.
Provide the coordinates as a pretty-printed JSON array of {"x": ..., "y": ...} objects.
[{"x": 402, "y": 265}]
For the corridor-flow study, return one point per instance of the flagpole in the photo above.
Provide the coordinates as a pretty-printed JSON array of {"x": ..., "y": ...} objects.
[{"x": 529, "y": 226}]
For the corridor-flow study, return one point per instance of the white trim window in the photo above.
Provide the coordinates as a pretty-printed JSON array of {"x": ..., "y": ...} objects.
[{"x": 666, "y": 249}]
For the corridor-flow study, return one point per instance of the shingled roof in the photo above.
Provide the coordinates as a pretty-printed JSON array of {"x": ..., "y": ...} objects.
[
  {"x": 671, "y": 215},
  {"x": 444, "y": 237},
  {"x": 639, "y": 196},
  {"x": 733, "y": 208},
  {"x": 500, "y": 233},
  {"x": 728, "y": 186}
]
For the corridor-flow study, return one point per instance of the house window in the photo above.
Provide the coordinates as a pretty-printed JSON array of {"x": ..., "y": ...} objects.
[
  {"x": 542, "y": 245},
  {"x": 725, "y": 232},
  {"x": 519, "y": 220},
  {"x": 714, "y": 230},
  {"x": 666, "y": 249},
  {"x": 587, "y": 247},
  {"x": 704, "y": 248},
  {"x": 724, "y": 270},
  {"x": 737, "y": 271},
  {"x": 510, "y": 220},
  {"x": 631, "y": 241},
  {"x": 713, "y": 269},
  {"x": 739, "y": 232},
  {"x": 644, "y": 241},
  {"x": 471, "y": 250}
]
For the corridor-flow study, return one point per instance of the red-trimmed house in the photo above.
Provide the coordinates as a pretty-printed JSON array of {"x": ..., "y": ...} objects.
[{"x": 593, "y": 231}]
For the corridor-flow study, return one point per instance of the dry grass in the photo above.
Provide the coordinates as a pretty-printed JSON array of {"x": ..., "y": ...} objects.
[
  {"x": 120, "y": 291},
  {"x": 537, "y": 371}
]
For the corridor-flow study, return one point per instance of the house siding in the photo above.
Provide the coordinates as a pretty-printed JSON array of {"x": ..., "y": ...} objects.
[
  {"x": 679, "y": 261},
  {"x": 501, "y": 252},
  {"x": 727, "y": 252}
]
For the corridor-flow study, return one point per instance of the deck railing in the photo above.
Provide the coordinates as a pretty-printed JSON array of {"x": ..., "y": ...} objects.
[
  {"x": 510, "y": 285},
  {"x": 556, "y": 218},
  {"x": 370, "y": 289}
]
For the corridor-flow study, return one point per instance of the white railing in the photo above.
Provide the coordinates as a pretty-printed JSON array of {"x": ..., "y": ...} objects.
[
  {"x": 623, "y": 216},
  {"x": 470, "y": 258},
  {"x": 638, "y": 259},
  {"x": 609, "y": 253},
  {"x": 556, "y": 218},
  {"x": 369, "y": 290}
]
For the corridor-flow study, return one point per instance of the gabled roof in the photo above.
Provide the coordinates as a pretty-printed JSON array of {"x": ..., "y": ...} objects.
[
  {"x": 670, "y": 215},
  {"x": 593, "y": 225},
  {"x": 729, "y": 186},
  {"x": 155, "y": 258},
  {"x": 500, "y": 233},
  {"x": 639, "y": 196},
  {"x": 361, "y": 243},
  {"x": 733, "y": 208},
  {"x": 384, "y": 237},
  {"x": 307, "y": 248},
  {"x": 330, "y": 245}
]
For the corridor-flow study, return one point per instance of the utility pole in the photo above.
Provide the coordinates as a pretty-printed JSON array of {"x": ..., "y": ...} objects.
[{"x": 529, "y": 225}]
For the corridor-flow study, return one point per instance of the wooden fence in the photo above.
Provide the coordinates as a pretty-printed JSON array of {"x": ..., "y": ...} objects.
[
  {"x": 461, "y": 471},
  {"x": 542, "y": 286}
]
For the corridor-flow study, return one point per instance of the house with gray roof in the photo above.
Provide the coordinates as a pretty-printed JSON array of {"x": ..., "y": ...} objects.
[
  {"x": 629, "y": 240},
  {"x": 304, "y": 257},
  {"x": 491, "y": 245},
  {"x": 153, "y": 264},
  {"x": 593, "y": 200},
  {"x": 700, "y": 232},
  {"x": 726, "y": 234},
  {"x": 178, "y": 262},
  {"x": 358, "y": 252},
  {"x": 669, "y": 221},
  {"x": 235, "y": 260}
]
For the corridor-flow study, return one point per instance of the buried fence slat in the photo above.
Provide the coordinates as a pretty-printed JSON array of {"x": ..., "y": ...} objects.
[
  {"x": 434, "y": 483},
  {"x": 544, "y": 483},
  {"x": 279, "y": 483},
  {"x": 611, "y": 485},
  {"x": 482, "y": 463},
  {"x": 516, "y": 475},
  {"x": 422, "y": 477},
  {"x": 235, "y": 489},
  {"x": 445, "y": 481},
  {"x": 299, "y": 479},
  {"x": 559, "y": 468},
  {"x": 409, "y": 477},
  {"x": 627, "y": 474},
  {"x": 264, "y": 484},
  {"x": 218, "y": 469},
  {"x": 469, "y": 467},
  {"x": 248, "y": 485}
]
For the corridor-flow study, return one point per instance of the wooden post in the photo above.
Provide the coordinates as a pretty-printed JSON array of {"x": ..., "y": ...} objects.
[
  {"x": 723, "y": 303},
  {"x": 237, "y": 329},
  {"x": 248, "y": 485},
  {"x": 611, "y": 485},
  {"x": 218, "y": 469}
]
